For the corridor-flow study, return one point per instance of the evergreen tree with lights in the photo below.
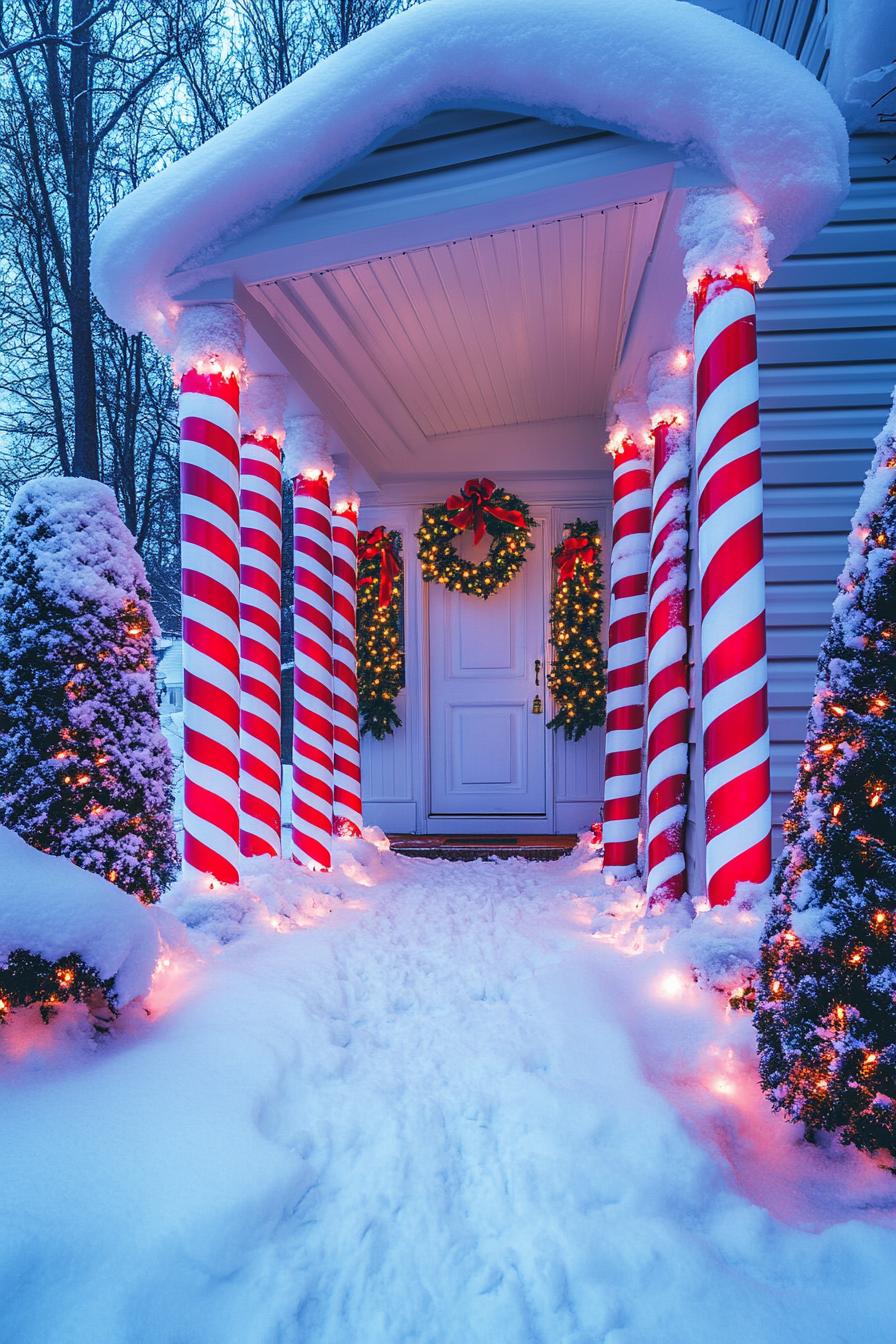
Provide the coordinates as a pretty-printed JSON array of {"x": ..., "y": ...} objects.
[
  {"x": 85, "y": 771},
  {"x": 826, "y": 1003},
  {"x": 380, "y": 647},
  {"x": 576, "y": 676}
]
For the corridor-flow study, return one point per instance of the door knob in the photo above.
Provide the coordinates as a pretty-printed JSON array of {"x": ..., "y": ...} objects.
[
  {"x": 536, "y": 699},
  {"x": 537, "y": 669}
]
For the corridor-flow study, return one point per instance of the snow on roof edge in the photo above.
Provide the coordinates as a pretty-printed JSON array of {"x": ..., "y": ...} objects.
[{"x": 664, "y": 70}]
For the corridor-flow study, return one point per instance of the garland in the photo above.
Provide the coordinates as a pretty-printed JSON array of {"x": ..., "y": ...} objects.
[
  {"x": 28, "y": 978},
  {"x": 576, "y": 678},
  {"x": 483, "y": 508},
  {"x": 380, "y": 651}
]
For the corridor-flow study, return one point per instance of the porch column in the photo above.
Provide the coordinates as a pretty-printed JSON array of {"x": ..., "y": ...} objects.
[
  {"x": 732, "y": 582},
  {"x": 261, "y": 557},
  {"x": 346, "y": 736},
  {"x": 208, "y": 362},
  {"x": 667, "y": 629},
  {"x": 629, "y": 561},
  {"x": 311, "y": 468}
]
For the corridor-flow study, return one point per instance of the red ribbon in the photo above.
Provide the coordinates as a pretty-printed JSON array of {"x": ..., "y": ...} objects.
[
  {"x": 377, "y": 542},
  {"x": 574, "y": 550},
  {"x": 471, "y": 505}
]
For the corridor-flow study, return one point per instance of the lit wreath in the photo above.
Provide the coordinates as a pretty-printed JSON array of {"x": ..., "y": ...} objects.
[{"x": 484, "y": 508}]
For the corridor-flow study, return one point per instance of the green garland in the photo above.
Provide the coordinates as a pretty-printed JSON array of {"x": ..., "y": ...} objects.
[
  {"x": 28, "y": 978},
  {"x": 576, "y": 678},
  {"x": 380, "y": 649},
  {"x": 439, "y": 531}
]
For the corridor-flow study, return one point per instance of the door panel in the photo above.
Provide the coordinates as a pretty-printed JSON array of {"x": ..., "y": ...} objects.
[{"x": 487, "y": 752}]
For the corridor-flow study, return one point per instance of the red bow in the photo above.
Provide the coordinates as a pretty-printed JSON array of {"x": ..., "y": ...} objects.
[
  {"x": 471, "y": 506},
  {"x": 377, "y": 542},
  {"x": 573, "y": 550}
]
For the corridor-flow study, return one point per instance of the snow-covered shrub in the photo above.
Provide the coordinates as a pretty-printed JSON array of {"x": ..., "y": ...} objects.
[
  {"x": 67, "y": 934},
  {"x": 84, "y": 769},
  {"x": 825, "y": 1015}
]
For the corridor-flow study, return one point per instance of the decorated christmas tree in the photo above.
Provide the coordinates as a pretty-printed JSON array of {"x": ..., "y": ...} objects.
[
  {"x": 84, "y": 769},
  {"x": 576, "y": 677},
  {"x": 380, "y": 651},
  {"x": 826, "y": 1010}
]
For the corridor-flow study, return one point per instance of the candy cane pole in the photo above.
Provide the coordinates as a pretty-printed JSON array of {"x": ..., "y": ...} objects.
[
  {"x": 209, "y": 482},
  {"x": 346, "y": 736},
  {"x": 667, "y": 668},
  {"x": 629, "y": 562},
  {"x": 261, "y": 554},
  {"x": 312, "y": 746},
  {"x": 732, "y": 586}
]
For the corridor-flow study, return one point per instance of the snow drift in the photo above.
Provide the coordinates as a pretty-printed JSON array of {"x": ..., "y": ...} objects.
[{"x": 51, "y": 908}]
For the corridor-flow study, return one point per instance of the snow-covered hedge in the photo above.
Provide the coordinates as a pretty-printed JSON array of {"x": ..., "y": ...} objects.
[{"x": 56, "y": 912}]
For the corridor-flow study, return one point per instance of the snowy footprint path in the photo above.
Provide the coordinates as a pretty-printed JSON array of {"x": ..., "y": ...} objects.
[{"x": 439, "y": 1112}]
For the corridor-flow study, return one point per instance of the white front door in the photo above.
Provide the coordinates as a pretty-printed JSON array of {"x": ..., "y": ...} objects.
[{"x": 487, "y": 748}]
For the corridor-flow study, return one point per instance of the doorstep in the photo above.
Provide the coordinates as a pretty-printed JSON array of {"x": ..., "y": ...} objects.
[{"x": 465, "y": 848}]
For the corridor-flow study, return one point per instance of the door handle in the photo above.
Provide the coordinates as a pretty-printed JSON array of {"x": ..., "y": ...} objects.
[
  {"x": 536, "y": 699},
  {"x": 537, "y": 669}
]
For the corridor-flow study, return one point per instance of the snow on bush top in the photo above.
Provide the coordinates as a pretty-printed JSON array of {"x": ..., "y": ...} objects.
[
  {"x": 667, "y": 72},
  {"x": 51, "y": 908},
  {"x": 87, "y": 553}
]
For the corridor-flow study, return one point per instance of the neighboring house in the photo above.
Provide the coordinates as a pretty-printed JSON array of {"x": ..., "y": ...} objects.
[
  {"x": 170, "y": 678},
  {"x": 465, "y": 265}
]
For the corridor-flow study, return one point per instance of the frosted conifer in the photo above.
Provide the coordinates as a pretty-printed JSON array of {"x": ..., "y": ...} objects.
[
  {"x": 826, "y": 1011},
  {"x": 85, "y": 771}
]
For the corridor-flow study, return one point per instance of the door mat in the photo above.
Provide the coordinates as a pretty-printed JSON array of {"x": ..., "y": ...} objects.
[{"x": 465, "y": 848}]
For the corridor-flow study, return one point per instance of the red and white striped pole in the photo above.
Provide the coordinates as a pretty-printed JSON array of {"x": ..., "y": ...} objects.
[
  {"x": 311, "y": 467},
  {"x": 261, "y": 557},
  {"x": 346, "y": 734},
  {"x": 626, "y": 646},
  {"x": 732, "y": 585},
  {"x": 667, "y": 647},
  {"x": 209, "y": 360}
]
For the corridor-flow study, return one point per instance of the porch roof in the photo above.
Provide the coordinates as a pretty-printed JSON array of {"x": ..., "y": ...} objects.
[{"x": 670, "y": 74}]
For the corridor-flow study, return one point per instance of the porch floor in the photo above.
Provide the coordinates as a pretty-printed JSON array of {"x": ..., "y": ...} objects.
[{"x": 464, "y": 848}]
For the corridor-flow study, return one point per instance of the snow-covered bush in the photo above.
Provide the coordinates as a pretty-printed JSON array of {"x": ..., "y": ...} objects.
[
  {"x": 66, "y": 934},
  {"x": 825, "y": 1016},
  {"x": 85, "y": 771}
]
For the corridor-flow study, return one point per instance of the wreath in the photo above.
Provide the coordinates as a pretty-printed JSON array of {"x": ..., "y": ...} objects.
[
  {"x": 483, "y": 508},
  {"x": 576, "y": 677},
  {"x": 380, "y": 648}
]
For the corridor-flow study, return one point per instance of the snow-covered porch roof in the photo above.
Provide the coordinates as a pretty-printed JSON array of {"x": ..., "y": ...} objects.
[{"x": 487, "y": 297}]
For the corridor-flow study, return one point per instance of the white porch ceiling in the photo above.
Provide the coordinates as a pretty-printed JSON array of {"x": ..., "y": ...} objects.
[{"x": 521, "y": 326}]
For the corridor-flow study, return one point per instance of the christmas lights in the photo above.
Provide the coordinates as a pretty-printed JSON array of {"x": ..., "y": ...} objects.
[
  {"x": 825, "y": 1012},
  {"x": 484, "y": 509},
  {"x": 576, "y": 676},
  {"x": 380, "y": 650}
]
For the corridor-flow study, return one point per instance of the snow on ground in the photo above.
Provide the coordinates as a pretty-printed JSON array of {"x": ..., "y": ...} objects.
[{"x": 429, "y": 1102}]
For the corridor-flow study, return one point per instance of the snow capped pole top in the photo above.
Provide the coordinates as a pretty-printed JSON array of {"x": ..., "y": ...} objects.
[
  {"x": 209, "y": 339},
  {"x": 669, "y": 73},
  {"x": 306, "y": 449},
  {"x": 263, "y": 405},
  {"x": 347, "y": 502},
  {"x": 669, "y": 383},
  {"x": 723, "y": 235}
]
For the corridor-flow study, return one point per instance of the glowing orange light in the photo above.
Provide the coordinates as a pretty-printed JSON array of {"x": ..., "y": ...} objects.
[
  {"x": 672, "y": 985},
  {"x": 681, "y": 359},
  {"x": 776, "y": 986},
  {"x": 790, "y": 938},
  {"x": 825, "y": 748},
  {"x": 82, "y": 779},
  {"x": 841, "y": 1013},
  {"x": 821, "y": 1085},
  {"x": 836, "y": 809},
  {"x": 65, "y": 977},
  {"x": 134, "y": 629},
  {"x": 839, "y": 710},
  {"x": 880, "y": 702},
  {"x": 112, "y": 874},
  {"x": 3, "y": 1006},
  {"x": 880, "y": 917},
  {"x": 102, "y": 760},
  {"x": 870, "y": 1059},
  {"x": 855, "y": 958}
]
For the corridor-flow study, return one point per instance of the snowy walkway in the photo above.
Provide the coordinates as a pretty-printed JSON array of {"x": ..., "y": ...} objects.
[{"x": 439, "y": 1110}]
